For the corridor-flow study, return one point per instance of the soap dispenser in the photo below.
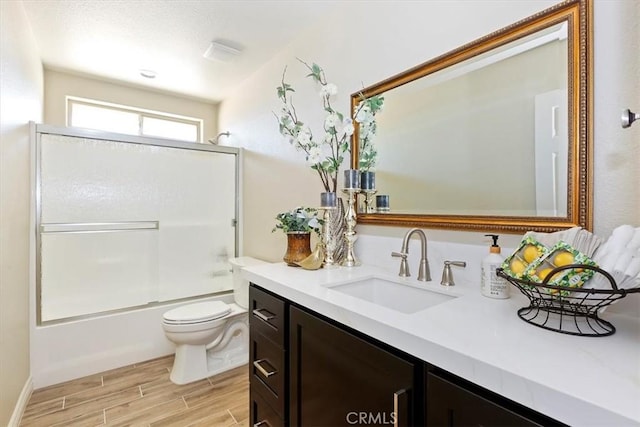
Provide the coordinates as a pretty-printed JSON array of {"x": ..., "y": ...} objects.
[{"x": 493, "y": 286}]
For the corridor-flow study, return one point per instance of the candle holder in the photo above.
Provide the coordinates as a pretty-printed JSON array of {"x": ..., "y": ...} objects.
[
  {"x": 328, "y": 242},
  {"x": 350, "y": 235},
  {"x": 382, "y": 203},
  {"x": 368, "y": 200},
  {"x": 352, "y": 179}
]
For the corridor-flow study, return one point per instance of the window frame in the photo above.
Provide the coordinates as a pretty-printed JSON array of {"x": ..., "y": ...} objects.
[{"x": 140, "y": 112}]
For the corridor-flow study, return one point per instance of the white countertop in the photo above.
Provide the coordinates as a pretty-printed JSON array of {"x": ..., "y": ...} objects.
[{"x": 580, "y": 381}]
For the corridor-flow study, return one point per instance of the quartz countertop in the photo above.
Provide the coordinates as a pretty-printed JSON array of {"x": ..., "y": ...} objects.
[{"x": 580, "y": 381}]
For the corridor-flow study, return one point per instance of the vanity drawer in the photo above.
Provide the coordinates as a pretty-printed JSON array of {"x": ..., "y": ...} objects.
[
  {"x": 262, "y": 415},
  {"x": 267, "y": 375},
  {"x": 267, "y": 314}
]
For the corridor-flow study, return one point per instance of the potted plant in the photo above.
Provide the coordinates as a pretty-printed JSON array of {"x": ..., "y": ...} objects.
[{"x": 298, "y": 225}]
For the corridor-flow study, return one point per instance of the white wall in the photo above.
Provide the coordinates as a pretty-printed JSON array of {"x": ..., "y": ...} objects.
[
  {"x": 362, "y": 45},
  {"x": 59, "y": 84},
  {"x": 359, "y": 46},
  {"x": 617, "y": 86},
  {"x": 21, "y": 101}
]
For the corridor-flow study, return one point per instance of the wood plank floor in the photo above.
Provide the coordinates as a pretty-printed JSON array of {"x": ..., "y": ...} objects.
[{"x": 142, "y": 395}]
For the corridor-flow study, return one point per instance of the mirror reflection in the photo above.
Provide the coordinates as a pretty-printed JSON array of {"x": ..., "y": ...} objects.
[
  {"x": 493, "y": 135},
  {"x": 486, "y": 137}
]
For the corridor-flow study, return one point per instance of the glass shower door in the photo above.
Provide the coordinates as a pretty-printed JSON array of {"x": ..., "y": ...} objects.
[{"x": 124, "y": 224}]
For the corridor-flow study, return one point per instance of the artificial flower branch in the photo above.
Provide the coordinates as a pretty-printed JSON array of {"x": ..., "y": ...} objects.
[{"x": 326, "y": 155}]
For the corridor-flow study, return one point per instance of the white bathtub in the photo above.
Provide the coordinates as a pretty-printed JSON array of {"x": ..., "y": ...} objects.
[{"x": 74, "y": 349}]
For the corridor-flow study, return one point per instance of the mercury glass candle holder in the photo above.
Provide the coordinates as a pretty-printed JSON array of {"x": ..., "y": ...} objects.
[
  {"x": 368, "y": 200},
  {"x": 350, "y": 235}
]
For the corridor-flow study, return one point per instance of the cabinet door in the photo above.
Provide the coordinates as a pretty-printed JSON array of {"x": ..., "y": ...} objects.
[
  {"x": 449, "y": 404},
  {"x": 338, "y": 379},
  {"x": 262, "y": 415}
]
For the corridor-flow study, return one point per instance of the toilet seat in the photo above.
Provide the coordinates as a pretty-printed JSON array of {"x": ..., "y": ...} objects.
[{"x": 200, "y": 312}]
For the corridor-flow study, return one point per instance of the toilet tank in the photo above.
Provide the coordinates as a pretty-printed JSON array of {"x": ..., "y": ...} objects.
[{"x": 240, "y": 285}]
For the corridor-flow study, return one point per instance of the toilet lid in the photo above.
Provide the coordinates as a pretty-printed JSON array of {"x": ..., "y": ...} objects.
[{"x": 198, "y": 312}]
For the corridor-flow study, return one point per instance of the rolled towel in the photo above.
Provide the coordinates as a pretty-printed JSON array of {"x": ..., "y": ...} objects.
[
  {"x": 621, "y": 236},
  {"x": 633, "y": 268},
  {"x": 607, "y": 262},
  {"x": 623, "y": 261},
  {"x": 634, "y": 243}
]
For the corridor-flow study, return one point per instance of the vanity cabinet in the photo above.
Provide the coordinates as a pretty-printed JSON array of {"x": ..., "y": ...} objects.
[{"x": 307, "y": 370}]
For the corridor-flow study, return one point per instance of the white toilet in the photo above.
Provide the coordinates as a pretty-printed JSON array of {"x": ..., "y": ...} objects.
[{"x": 211, "y": 336}]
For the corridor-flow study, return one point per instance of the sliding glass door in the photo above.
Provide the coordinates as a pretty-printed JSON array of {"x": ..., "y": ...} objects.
[{"x": 125, "y": 222}]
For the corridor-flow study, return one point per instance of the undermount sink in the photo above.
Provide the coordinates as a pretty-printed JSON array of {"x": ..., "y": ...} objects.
[{"x": 394, "y": 295}]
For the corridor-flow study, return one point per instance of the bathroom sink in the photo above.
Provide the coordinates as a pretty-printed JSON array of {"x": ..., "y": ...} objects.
[{"x": 394, "y": 295}]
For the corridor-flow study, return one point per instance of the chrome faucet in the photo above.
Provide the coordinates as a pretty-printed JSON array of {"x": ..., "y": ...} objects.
[{"x": 423, "y": 273}]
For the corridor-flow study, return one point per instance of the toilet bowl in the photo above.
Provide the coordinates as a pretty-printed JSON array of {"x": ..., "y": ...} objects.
[{"x": 211, "y": 336}]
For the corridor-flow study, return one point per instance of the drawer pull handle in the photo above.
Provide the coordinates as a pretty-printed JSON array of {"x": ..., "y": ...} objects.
[
  {"x": 263, "y": 371},
  {"x": 264, "y": 317},
  {"x": 401, "y": 408},
  {"x": 262, "y": 424}
]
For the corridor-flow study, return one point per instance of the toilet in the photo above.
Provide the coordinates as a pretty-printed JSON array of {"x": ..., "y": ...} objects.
[{"x": 211, "y": 336}]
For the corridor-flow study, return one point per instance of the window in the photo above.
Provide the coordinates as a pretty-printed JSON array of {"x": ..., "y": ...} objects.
[{"x": 87, "y": 113}]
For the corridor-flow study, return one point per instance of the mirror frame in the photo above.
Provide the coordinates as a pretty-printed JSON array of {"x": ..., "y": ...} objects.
[{"x": 578, "y": 14}]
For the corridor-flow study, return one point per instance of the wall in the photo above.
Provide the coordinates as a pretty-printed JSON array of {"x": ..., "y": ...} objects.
[
  {"x": 358, "y": 47},
  {"x": 617, "y": 86},
  {"x": 361, "y": 46},
  {"x": 59, "y": 84},
  {"x": 21, "y": 86}
]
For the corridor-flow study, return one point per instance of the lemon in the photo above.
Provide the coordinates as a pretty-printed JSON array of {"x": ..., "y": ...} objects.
[
  {"x": 530, "y": 253},
  {"x": 563, "y": 258},
  {"x": 517, "y": 266},
  {"x": 543, "y": 273}
]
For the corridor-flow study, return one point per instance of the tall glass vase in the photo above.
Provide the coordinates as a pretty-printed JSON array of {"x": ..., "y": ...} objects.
[{"x": 333, "y": 234}]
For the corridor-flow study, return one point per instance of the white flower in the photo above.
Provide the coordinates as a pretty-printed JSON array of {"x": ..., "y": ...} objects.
[
  {"x": 314, "y": 155},
  {"x": 304, "y": 136},
  {"x": 347, "y": 128},
  {"x": 328, "y": 90},
  {"x": 331, "y": 121},
  {"x": 313, "y": 223},
  {"x": 364, "y": 114}
]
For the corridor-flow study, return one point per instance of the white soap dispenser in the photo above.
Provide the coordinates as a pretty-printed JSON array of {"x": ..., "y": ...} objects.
[{"x": 491, "y": 285}]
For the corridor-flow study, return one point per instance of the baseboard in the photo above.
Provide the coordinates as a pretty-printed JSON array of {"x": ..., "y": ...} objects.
[{"x": 21, "y": 404}]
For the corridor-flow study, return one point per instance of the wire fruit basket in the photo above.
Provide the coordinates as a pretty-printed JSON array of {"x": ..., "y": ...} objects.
[{"x": 573, "y": 311}]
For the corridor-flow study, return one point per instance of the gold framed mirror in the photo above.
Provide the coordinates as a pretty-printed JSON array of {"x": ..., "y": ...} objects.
[{"x": 494, "y": 135}]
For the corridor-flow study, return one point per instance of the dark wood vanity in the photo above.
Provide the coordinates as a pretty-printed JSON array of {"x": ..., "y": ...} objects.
[{"x": 308, "y": 370}]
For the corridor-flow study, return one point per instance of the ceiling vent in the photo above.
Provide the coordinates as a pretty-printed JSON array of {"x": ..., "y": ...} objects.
[{"x": 223, "y": 50}]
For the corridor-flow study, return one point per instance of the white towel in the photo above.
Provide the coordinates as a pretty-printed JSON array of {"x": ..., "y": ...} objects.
[{"x": 634, "y": 243}]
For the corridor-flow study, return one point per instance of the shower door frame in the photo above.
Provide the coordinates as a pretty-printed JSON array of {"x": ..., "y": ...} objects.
[{"x": 37, "y": 130}]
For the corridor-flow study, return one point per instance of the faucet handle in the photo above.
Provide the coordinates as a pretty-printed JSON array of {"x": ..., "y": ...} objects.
[
  {"x": 404, "y": 266},
  {"x": 447, "y": 274}
]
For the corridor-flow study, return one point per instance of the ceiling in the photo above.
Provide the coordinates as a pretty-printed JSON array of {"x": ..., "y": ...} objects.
[{"x": 114, "y": 39}]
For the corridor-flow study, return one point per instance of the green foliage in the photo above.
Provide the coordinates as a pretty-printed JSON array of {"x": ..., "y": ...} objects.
[{"x": 299, "y": 219}]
